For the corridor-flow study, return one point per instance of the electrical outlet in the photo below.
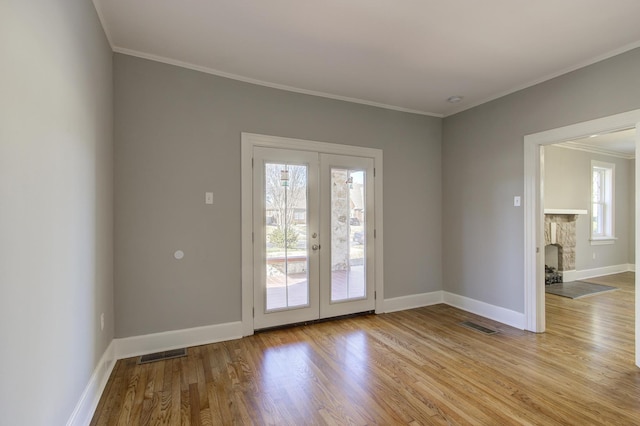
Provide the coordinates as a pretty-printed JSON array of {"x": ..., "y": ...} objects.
[{"x": 102, "y": 321}]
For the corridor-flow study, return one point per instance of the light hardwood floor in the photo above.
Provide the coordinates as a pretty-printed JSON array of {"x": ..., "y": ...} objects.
[{"x": 411, "y": 367}]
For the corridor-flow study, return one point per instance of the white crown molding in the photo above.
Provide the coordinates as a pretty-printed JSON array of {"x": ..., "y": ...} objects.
[
  {"x": 454, "y": 111},
  {"x": 237, "y": 77},
  {"x": 577, "y": 146},
  {"x": 548, "y": 77},
  {"x": 103, "y": 22}
]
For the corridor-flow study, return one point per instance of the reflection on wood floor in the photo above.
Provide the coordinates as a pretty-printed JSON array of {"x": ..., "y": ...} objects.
[{"x": 412, "y": 367}]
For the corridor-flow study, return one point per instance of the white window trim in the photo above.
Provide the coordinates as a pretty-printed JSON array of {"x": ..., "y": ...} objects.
[
  {"x": 602, "y": 241},
  {"x": 609, "y": 237}
]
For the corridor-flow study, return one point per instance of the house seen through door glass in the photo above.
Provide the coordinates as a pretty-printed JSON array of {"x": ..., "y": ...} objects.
[
  {"x": 348, "y": 245},
  {"x": 286, "y": 228},
  {"x": 313, "y": 236}
]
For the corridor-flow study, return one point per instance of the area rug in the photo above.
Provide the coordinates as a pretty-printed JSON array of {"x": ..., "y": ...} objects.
[{"x": 577, "y": 289}]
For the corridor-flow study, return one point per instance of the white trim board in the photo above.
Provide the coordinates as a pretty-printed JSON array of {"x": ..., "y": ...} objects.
[
  {"x": 212, "y": 71},
  {"x": 602, "y": 271},
  {"x": 496, "y": 313},
  {"x": 139, "y": 345},
  {"x": 150, "y": 343},
  {"x": 573, "y": 275},
  {"x": 413, "y": 301},
  {"x": 533, "y": 209},
  {"x": 128, "y": 347},
  {"x": 570, "y": 275},
  {"x": 88, "y": 402},
  {"x": 577, "y": 146},
  {"x": 493, "y": 312}
]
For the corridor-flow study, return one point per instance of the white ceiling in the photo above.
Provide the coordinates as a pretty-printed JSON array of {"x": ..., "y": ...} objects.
[
  {"x": 401, "y": 54},
  {"x": 620, "y": 144}
]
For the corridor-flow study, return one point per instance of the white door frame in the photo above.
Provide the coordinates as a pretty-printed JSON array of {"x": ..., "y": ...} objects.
[
  {"x": 251, "y": 140},
  {"x": 534, "y": 308}
]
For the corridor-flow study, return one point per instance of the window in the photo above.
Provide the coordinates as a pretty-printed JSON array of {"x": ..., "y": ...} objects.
[{"x": 602, "y": 208}]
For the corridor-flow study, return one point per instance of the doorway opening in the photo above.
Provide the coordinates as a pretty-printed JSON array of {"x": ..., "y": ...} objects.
[
  {"x": 534, "y": 272},
  {"x": 311, "y": 231}
]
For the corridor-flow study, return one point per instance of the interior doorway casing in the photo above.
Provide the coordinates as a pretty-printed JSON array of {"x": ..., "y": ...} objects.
[
  {"x": 534, "y": 308},
  {"x": 251, "y": 140}
]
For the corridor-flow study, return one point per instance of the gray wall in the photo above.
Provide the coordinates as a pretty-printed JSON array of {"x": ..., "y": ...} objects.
[
  {"x": 177, "y": 135},
  {"x": 483, "y": 168},
  {"x": 56, "y": 204},
  {"x": 567, "y": 185}
]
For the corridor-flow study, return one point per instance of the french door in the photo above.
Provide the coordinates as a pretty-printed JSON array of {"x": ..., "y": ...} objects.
[{"x": 313, "y": 251}]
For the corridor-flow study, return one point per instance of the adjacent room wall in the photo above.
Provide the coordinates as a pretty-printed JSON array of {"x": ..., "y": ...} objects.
[
  {"x": 483, "y": 169},
  {"x": 567, "y": 185},
  {"x": 632, "y": 211},
  {"x": 177, "y": 135},
  {"x": 56, "y": 227}
]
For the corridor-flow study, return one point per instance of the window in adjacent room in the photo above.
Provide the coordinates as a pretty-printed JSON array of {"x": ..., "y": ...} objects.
[{"x": 602, "y": 205}]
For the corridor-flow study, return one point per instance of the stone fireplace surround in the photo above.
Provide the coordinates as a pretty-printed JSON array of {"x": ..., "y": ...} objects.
[{"x": 560, "y": 230}]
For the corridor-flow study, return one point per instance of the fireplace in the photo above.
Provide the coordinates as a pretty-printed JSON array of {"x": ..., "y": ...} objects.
[{"x": 560, "y": 244}]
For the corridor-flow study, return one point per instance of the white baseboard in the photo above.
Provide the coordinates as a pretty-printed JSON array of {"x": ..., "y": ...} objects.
[
  {"x": 413, "y": 301},
  {"x": 631, "y": 267},
  {"x": 90, "y": 397},
  {"x": 139, "y": 345},
  {"x": 599, "y": 272},
  {"x": 496, "y": 313},
  {"x": 568, "y": 276},
  {"x": 149, "y": 343}
]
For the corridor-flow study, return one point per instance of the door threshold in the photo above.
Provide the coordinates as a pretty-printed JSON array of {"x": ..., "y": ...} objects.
[{"x": 315, "y": 321}]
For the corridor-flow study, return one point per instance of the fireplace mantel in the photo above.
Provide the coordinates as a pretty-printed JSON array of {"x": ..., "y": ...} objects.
[{"x": 564, "y": 211}]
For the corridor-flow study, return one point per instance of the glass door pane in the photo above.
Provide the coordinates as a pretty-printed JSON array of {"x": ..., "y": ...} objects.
[
  {"x": 347, "y": 278},
  {"x": 285, "y": 223},
  {"x": 348, "y": 247},
  {"x": 285, "y": 216}
]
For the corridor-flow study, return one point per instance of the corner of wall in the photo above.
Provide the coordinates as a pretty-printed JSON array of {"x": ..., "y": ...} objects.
[{"x": 90, "y": 397}]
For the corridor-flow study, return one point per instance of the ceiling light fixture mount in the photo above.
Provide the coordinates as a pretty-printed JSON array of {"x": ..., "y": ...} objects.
[{"x": 454, "y": 99}]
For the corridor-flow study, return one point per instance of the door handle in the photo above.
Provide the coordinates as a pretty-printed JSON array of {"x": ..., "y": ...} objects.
[{"x": 315, "y": 247}]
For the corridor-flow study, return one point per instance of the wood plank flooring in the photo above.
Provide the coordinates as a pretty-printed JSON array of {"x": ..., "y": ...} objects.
[{"x": 412, "y": 367}]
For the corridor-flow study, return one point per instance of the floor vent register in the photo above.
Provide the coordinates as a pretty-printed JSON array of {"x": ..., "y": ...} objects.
[
  {"x": 478, "y": 327},
  {"x": 161, "y": 356}
]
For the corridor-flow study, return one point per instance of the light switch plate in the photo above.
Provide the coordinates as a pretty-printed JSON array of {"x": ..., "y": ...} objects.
[
  {"x": 516, "y": 201},
  {"x": 208, "y": 197}
]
